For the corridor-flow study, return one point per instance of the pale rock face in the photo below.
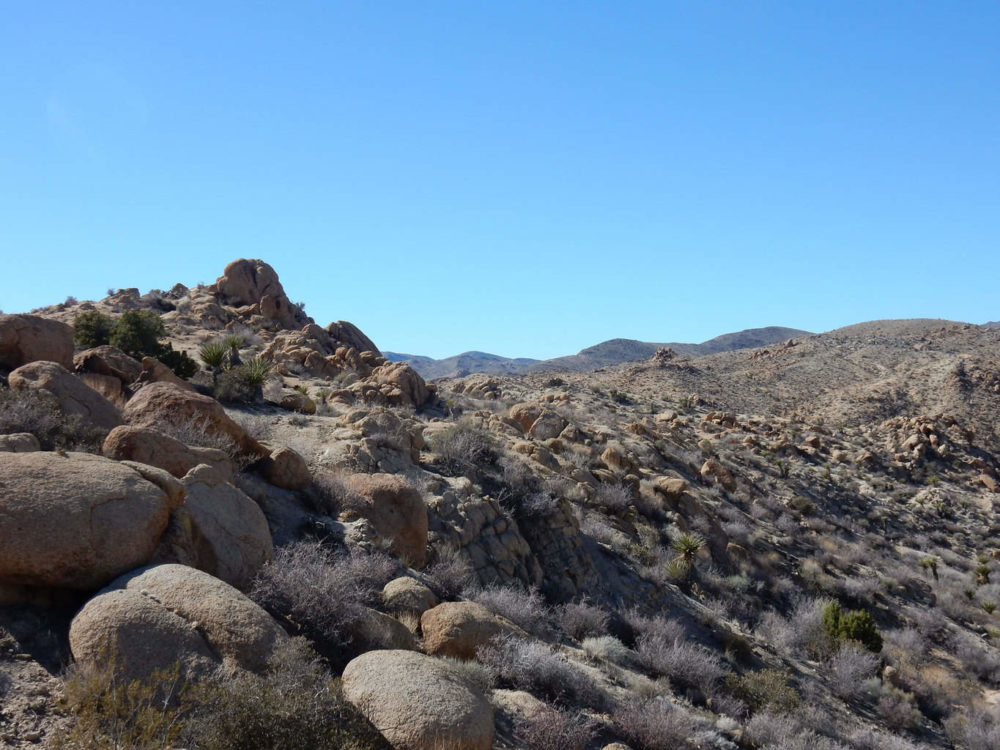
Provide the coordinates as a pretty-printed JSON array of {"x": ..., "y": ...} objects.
[
  {"x": 29, "y": 338},
  {"x": 218, "y": 530},
  {"x": 418, "y": 702},
  {"x": 350, "y": 335},
  {"x": 407, "y": 594},
  {"x": 459, "y": 628},
  {"x": 109, "y": 361},
  {"x": 286, "y": 469},
  {"x": 148, "y": 446},
  {"x": 397, "y": 512},
  {"x": 155, "y": 617},
  {"x": 72, "y": 394},
  {"x": 159, "y": 403},
  {"x": 19, "y": 442},
  {"x": 76, "y": 520}
]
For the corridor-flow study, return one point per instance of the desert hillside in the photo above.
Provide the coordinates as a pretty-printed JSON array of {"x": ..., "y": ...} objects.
[{"x": 223, "y": 525}]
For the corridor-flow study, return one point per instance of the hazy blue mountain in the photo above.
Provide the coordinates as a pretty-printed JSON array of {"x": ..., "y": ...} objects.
[{"x": 607, "y": 353}]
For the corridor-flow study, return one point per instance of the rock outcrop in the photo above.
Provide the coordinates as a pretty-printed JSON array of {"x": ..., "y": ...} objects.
[
  {"x": 148, "y": 446},
  {"x": 254, "y": 286},
  {"x": 457, "y": 629}
]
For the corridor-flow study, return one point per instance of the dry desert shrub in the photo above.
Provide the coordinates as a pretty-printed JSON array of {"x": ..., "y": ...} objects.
[
  {"x": 450, "y": 574},
  {"x": 320, "y": 593},
  {"x": 684, "y": 663},
  {"x": 39, "y": 414},
  {"x": 656, "y": 724},
  {"x": 974, "y": 729},
  {"x": 295, "y": 704},
  {"x": 764, "y": 689},
  {"x": 526, "y": 609},
  {"x": 537, "y": 668},
  {"x": 580, "y": 620},
  {"x": 849, "y": 668},
  {"x": 464, "y": 447},
  {"x": 553, "y": 728},
  {"x": 608, "y": 648}
]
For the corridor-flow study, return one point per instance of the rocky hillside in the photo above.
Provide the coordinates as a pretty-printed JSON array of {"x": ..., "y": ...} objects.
[
  {"x": 605, "y": 354},
  {"x": 291, "y": 541}
]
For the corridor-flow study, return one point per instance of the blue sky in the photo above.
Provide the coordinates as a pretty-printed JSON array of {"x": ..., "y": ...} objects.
[{"x": 523, "y": 178}]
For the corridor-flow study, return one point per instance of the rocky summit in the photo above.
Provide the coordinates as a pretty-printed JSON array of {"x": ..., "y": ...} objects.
[{"x": 223, "y": 525}]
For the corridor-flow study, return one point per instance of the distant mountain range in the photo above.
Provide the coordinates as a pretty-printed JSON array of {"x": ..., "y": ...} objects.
[{"x": 607, "y": 353}]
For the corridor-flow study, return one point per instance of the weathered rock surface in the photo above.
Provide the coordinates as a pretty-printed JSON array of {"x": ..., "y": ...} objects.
[
  {"x": 75, "y": 520},
  {"x": 397, "y": 512},
  {"x": 459, "y": 628},
  {"x": 109, "y": 361},
  {"x": 255, "y": 284},
  {"x": 30, "y": 338},
  {"x": 155, "y": 617},
  {"x": 478, "y": 529},
  {"x": 285, "y": 468},
  {"x": 407, "y": 594},
  {"x": 74, "y": 396},
  {"x": 418, "y": 702},
  {"x": 218, "y": 530},
  {"x": 19, "y": 442},
  {"x": 350, "y": 335},
  {"x": 159, "y": 403},
  {"x": 148, "y": 446}
]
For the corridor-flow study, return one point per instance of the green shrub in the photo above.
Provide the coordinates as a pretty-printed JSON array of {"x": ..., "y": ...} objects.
[
  {"x": 857, "y": 625},
  {"x": 92, "y": 328},
  {"x": 766, "y": 688},
  {"x": 137, "y": 333},
  {"x": 243, "y": 383}
]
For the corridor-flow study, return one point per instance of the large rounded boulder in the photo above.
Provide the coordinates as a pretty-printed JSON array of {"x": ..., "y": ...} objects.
[
  {"x": 458, "y": 629},
  {"x": 74, "y": 397},
  {"x": 156, "y": 617},
  {"x": 30, "y": 338},
  {"x": 418, "y": 702},
  {"x": 75, "y": 520},
  {"x": 166, "y": 403}
]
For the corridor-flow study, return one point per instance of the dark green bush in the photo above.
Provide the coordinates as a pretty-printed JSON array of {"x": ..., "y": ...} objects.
[
  {"x": 137, "y": 333},
  {"x": 857, "y": 625},
  {"x": 93, "y": 328}
]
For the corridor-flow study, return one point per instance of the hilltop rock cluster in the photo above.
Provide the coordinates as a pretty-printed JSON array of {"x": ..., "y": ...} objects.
[{"x": 694, "y": 551}]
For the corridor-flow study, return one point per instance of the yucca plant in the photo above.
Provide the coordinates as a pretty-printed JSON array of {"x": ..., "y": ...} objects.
[
  {"x": 256, "y": 370},
  {"x": 687, "y": 547},
  {"x": 214, "y": 355}
]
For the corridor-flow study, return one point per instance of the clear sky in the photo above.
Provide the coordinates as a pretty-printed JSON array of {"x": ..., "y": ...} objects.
[{"x": 525, "y": 178}]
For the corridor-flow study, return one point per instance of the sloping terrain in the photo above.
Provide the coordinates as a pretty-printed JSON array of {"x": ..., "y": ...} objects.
[{"x": 785, "y": 547}]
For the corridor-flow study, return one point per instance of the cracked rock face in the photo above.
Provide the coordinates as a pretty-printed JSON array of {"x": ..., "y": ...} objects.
[
  {"x": 154, "y": 617},
  {"x": 75, "y": 520}
]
